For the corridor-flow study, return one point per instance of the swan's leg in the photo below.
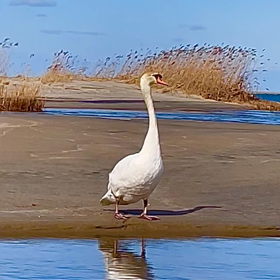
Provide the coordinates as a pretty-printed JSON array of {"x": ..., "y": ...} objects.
[
  {"x": 118, "y": 215},
  {"x": 143, "y": 252},
  {"x": 144, "y": 214},
  {"x": 115, "y": 249}
]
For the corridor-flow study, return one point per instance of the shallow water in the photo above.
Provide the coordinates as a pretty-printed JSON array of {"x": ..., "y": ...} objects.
[
  {"x": 165, "y": 259},
  {"x": 269, "y": 97},
  {"x": 253, "y": 117}
]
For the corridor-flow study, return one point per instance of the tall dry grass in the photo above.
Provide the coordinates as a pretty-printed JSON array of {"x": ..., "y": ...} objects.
[
  {"x": 4, "y": 62},
  {"x": 23, "y": 97},
  {"x": 56, "y": 76},
  {"x": 5, "y": 45},
  {"x": 220, "y": 73},
  {"x": 63, "y": 69}
]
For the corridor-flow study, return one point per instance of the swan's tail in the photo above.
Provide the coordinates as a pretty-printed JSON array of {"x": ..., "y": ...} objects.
[{"x": 108, "y": 198}]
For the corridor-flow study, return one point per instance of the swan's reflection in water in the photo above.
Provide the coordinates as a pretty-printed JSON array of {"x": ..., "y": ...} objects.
[{"x": 122, "y": 263}]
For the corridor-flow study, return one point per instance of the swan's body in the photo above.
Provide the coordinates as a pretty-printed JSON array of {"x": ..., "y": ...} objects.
[
  {"x": 136, "y": 176},
  {"x": 133, "y": 178}
]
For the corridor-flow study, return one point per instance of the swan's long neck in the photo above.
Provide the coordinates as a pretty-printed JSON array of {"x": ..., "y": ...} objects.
[{"x": 151, "y": 144}]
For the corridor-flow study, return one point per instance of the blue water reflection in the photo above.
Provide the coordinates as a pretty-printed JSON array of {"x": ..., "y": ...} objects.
[{"x": 132, "y": 259}]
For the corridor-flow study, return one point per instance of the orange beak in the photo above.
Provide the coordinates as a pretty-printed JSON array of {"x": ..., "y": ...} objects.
[{"x": 161, "y": 82}]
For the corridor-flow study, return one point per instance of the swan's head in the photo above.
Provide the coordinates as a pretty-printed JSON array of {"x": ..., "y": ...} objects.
[{"x": 154, "y": 78}]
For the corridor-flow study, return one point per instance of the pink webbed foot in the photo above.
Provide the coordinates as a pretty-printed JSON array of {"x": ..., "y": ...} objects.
[
  {"x": 149, "y": 218},
  {"x": 120, "y": 216}
]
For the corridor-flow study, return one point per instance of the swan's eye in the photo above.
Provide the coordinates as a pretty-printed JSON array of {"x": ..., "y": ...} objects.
[{"x": 157, "y": 76}]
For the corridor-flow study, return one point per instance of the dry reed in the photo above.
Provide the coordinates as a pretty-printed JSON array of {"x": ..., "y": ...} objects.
[
  {"x": 22, "y": 98},
  {"x": 63, "y": 69},
  {"x": 4, "y": 62},
  {"x": 56, "y": 76},
  {"x": 5, "y": 45},
  {"x": 220, "y": 73}
]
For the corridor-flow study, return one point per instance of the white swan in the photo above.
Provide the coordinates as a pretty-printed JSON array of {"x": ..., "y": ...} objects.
[{"x": 136, "y": 176}]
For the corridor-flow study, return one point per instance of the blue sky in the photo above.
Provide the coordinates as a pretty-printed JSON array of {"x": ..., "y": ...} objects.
[{"x": 96, "y": 29}]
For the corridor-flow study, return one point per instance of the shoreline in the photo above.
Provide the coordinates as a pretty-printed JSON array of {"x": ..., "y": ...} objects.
[
  {"x": 160, "y": 230},
  {"x": 105, "y": 91}
]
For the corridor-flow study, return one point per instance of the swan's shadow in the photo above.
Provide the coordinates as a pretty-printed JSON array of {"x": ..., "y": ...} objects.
[{"x": 168, "y": 212}]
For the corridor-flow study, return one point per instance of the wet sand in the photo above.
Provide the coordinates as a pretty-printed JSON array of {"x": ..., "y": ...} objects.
[{"x": 220, "y": 179}]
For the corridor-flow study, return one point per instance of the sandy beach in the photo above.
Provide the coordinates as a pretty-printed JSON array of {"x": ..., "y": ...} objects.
[{"x": 221, "y": 179}]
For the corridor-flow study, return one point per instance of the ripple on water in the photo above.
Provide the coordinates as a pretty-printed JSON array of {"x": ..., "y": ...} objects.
[
  {"x": 253, "y": 117},
  {"x": 124, "y": 259}
]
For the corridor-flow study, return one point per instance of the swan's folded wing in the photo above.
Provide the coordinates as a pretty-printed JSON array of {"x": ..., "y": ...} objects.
[
  {"x": 121, "y": 178},
  {"x": 135, "y": 173},
  {"x": 127, "y": 172}
]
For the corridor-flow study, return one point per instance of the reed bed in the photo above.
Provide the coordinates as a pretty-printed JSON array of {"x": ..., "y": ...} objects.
[
  {"x": 22, "y": 98},
  {"x": 221, "y": 73},
  {"x": 56, "y": 76},
  {"x": 63, "y": 69}
]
